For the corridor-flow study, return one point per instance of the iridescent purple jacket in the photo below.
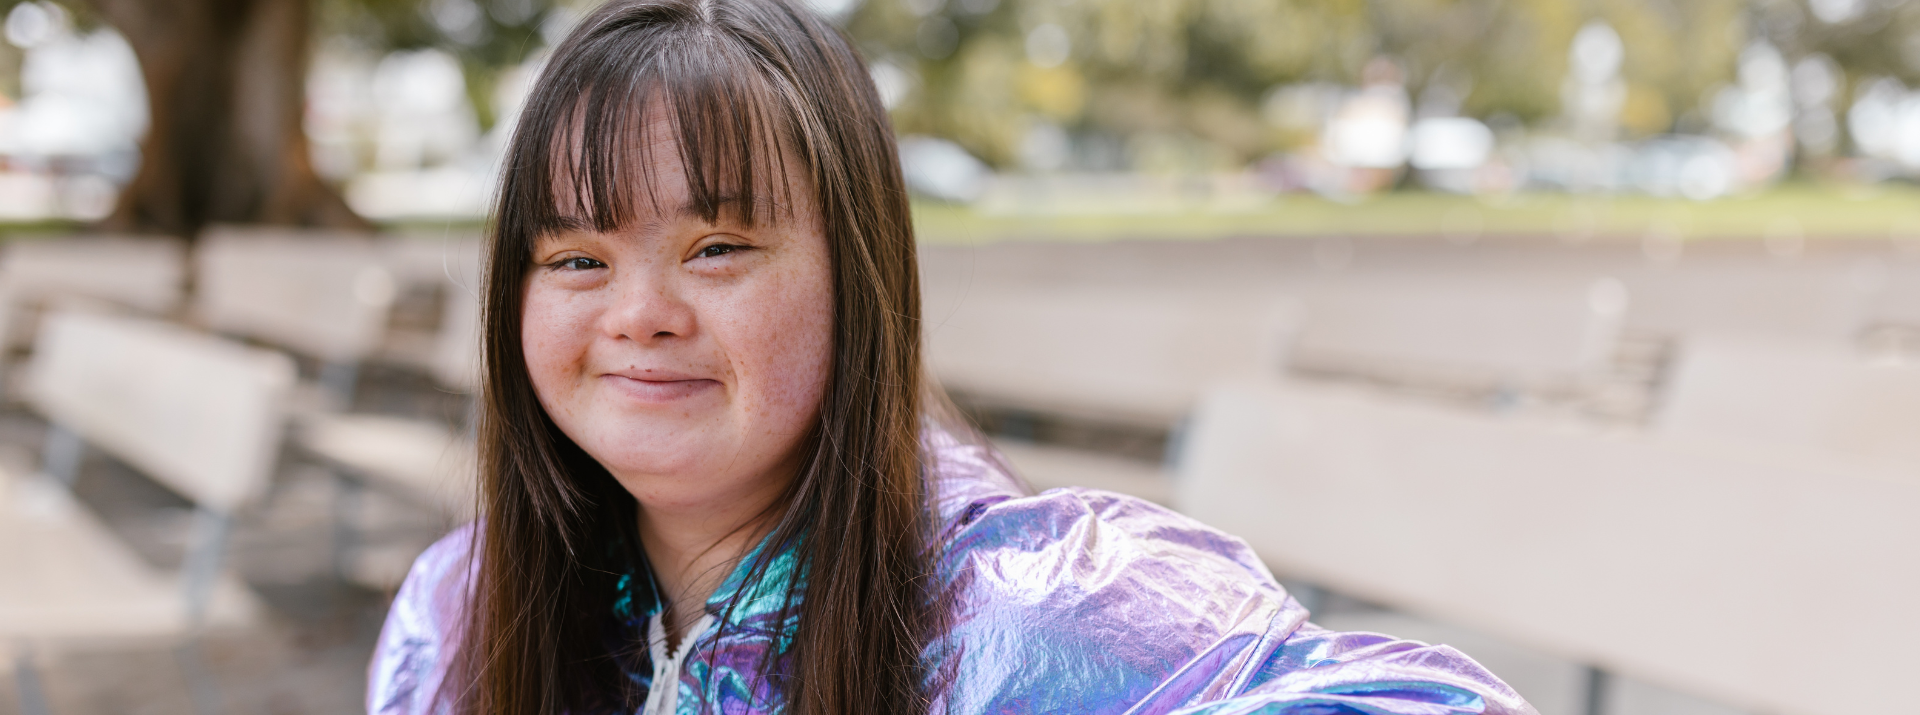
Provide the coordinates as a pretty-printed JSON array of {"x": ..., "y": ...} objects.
[{"x": 1073, "y": 600}]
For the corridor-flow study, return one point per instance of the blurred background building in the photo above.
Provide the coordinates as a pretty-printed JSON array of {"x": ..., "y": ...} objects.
[{"x": 1583, "y": 335}]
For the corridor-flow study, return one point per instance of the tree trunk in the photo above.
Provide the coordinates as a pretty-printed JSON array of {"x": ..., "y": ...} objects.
[{"x": 226, "y": 87}]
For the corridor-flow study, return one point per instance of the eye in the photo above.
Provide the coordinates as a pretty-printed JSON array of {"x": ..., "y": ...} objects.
[
  {"x": 717, "y": 250},
  {"x": 579, "y": 263}
]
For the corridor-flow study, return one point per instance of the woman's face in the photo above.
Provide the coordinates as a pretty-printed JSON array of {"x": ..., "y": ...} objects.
[{"x": 689, "y": 358}]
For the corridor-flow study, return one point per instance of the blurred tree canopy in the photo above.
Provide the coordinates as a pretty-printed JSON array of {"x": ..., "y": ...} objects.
[
  {"x": 489, "y": 36},
  {"x": 1123, "y": 79},
  {"x": 1199, "y": 70}
]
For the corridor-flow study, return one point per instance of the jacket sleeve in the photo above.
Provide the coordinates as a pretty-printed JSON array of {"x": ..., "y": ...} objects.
[
  {"x": 417, "y": 641},
  {"x": 1320, "y": 672},
  {"x": 1078, "y": 600}
]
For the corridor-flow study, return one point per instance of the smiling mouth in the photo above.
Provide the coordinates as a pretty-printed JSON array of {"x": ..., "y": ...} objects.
[{"x": 661, "y": 390}]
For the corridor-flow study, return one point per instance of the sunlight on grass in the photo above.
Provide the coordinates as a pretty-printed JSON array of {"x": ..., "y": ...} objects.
[{"x": 1812, "y": 212}]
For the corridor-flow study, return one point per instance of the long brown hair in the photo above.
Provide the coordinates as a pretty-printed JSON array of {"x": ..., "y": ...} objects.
[{"x": 748, "y": 86}]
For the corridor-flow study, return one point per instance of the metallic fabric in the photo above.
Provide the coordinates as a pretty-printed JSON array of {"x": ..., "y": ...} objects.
[{"x": 1073, "y": 600}]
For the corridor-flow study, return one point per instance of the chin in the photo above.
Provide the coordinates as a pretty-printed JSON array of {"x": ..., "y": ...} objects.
[
  {"x": 664, "y": 455},
  {"x": 659, "y": 481}
]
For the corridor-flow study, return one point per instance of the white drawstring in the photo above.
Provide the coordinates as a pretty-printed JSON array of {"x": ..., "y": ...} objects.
[{"x": 665, "y": 693}]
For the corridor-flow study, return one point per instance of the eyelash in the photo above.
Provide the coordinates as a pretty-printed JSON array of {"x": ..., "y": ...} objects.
[{"x": 574, "y": 264}]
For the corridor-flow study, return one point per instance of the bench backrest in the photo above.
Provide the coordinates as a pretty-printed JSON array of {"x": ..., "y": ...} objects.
[
  {"x": 1810, "y": 300},
  {"x": 197, "y": 413},
  {"x": 1461, "y": 329},
  {"x": 1896, "y": 300},
  {"x": 456, "y": 353},
  {"x": 146, "y": 274},
  {"x": 1643, "y": 555},
  {"x": 451, "y": 267},
  {"x": 318, "y": 293},
  {"x": 1130, "y": 355},
  {"x": 1824, "y": 397}
]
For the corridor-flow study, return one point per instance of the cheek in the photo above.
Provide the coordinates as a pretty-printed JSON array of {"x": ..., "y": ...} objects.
[
  {"x": 554, "y": 337},
  {"x": 811, "y": 350},
  {"x": 789, "y": 339}
]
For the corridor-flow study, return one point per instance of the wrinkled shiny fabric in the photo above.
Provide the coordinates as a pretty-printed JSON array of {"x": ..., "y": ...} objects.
[{"x": 1074, "y": 600}]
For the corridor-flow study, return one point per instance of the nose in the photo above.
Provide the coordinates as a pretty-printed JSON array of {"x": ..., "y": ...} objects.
[{"x": 648, "y": 308}]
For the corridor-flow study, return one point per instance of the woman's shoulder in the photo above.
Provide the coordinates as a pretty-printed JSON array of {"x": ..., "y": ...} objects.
[
  {"x": 1061, "y": 536},
  {"x": 422, "y": 626},
  {"x": 983, "y": 504},
  {"x": 1107, "y": 592},
  {"x": 989, "y": 516},
  {"x": 1083, "y": 600}
]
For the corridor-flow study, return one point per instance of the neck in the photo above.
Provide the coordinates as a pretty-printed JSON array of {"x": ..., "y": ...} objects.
[{"x": 693, "y": 549}]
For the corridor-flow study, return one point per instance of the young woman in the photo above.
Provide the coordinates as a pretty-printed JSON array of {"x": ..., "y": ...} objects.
[{"x": 715, "y": 479}]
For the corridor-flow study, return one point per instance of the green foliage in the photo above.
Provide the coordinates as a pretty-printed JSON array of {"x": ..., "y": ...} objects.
[
  {"x": 1199, "y": 69},
  {"x": 489, "y": 36},
  {"x": 1150, "y": 73}
]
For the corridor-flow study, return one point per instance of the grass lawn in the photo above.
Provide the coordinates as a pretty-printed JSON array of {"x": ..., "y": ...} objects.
[{"x": 1807, "y": 211}]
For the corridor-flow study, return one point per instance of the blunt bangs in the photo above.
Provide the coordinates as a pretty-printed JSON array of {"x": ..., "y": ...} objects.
[{"x": 583, "y": 151}]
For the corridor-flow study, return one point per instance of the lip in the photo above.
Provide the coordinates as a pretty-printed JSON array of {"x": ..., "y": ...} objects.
[{"x": 659, "y": 385}]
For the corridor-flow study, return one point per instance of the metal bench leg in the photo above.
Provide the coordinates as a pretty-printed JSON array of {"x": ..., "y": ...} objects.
[
  {"x": 1019, "y": 426},
  {"x": 200, "y": 574},
  {"x": 1599, "y": 682},
  {"x": 346, "y": 524},
  {"x": 200, "y": 684},
  {"x": 339, "y": 379},
  {"x": 26, "y": 679},
  {"x": 201, "y": 570},
  {"x": 471, "y": 424},
  {"x": 1176, "y": 448},
  {"x": 61, "y": 454},
  {"x": 1309, "y": 595}
]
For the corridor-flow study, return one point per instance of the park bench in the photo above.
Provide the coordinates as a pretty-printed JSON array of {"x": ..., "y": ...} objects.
[
  {"x": 200, "y": 415},
  {"x": 1823, "y": 298},
  {"x": 319, "y": 294},
  {"x": 423, "y": 461},
  {"x": 1129, "y": 355},
  {"x": 1828, "y": 399},
  {"x": 1143, "y": 356},
  {"x": 1134, "y": 359},
  {"x": 330, "y": 297},
  {"x": 1048, "y": 468},
  {"x": 1495, "y": 342},
  {"x": 143, "y": 275},
  {"x": 1891, "y": 327},
  {"x": 1668, "y": 559},
  {"x": 438, "y": 278},
  {"x": 1897, "y": 300}
]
